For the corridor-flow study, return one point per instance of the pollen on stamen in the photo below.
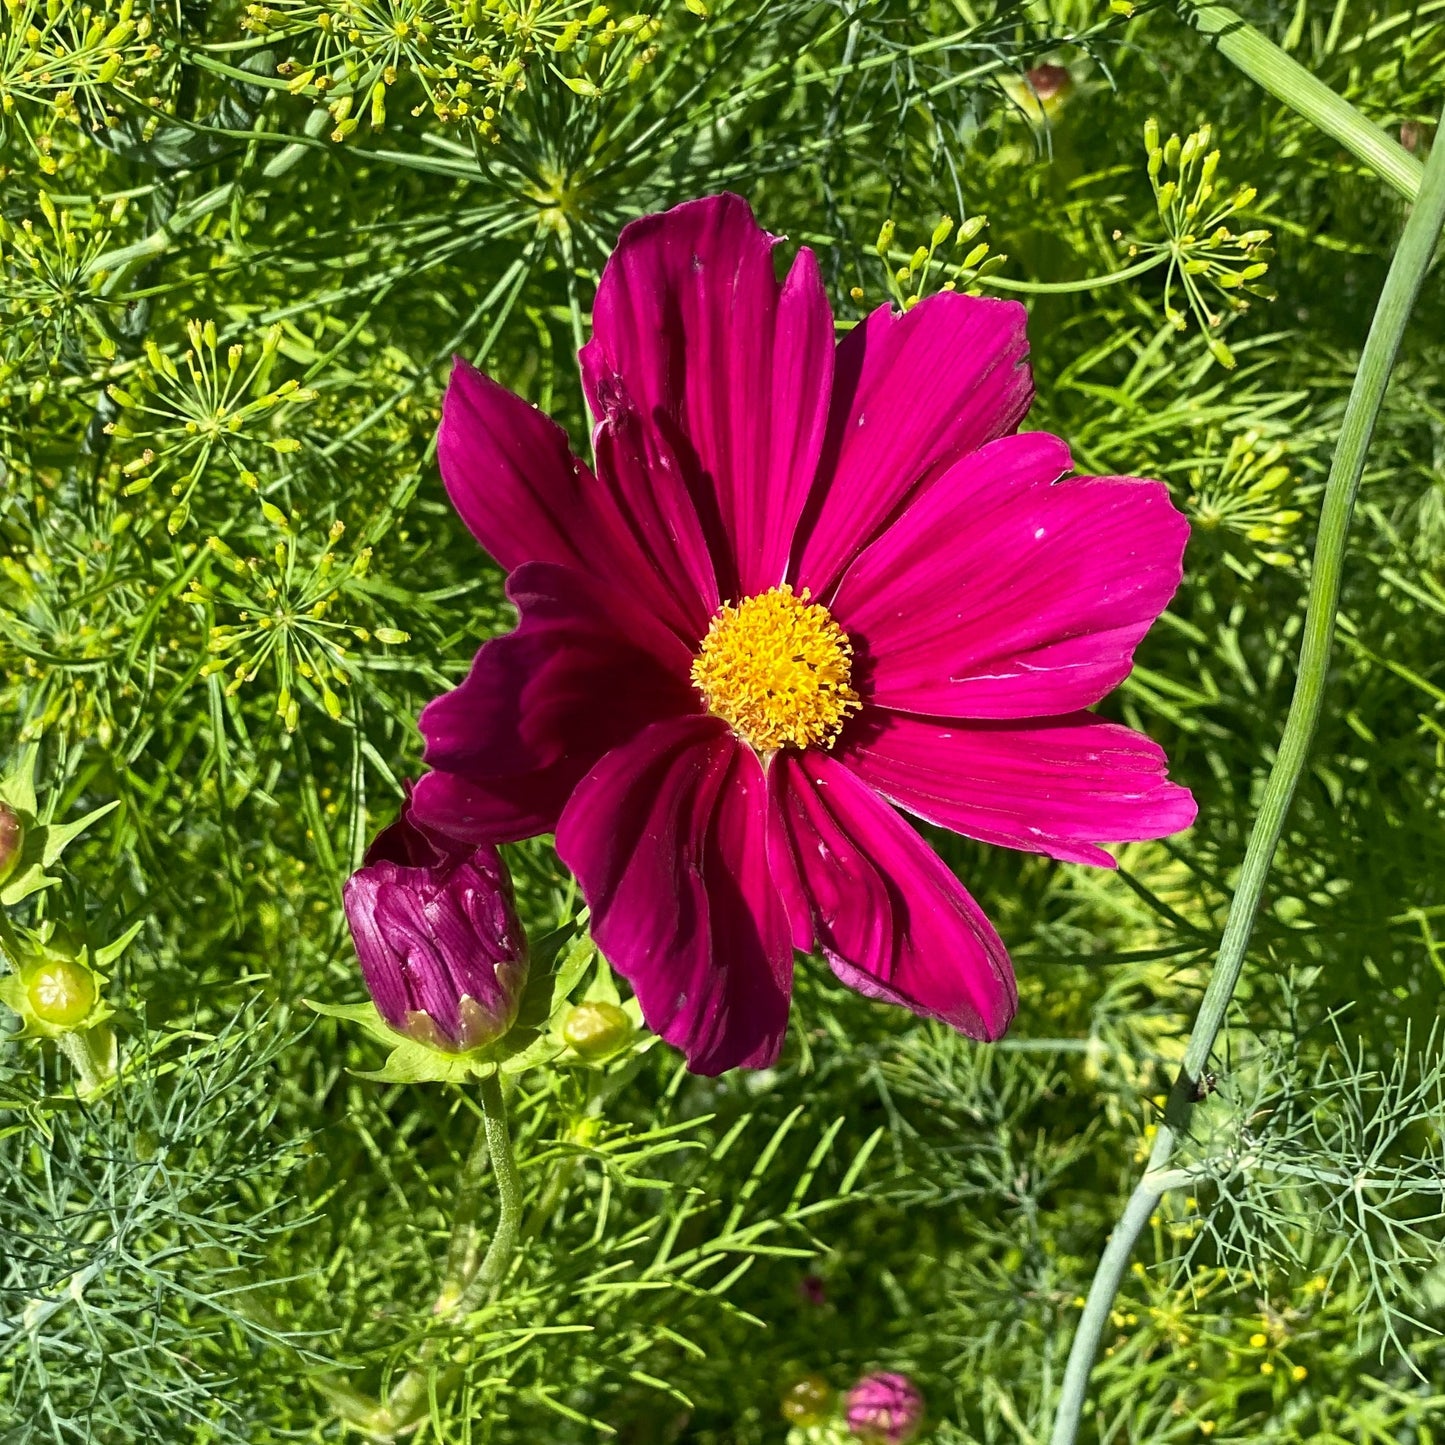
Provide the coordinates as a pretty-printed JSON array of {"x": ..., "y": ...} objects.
[{"x": 777, "y": 669}]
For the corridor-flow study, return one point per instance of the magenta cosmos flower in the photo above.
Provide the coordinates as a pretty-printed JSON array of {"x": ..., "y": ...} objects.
[{"x": 807, "y": 582}]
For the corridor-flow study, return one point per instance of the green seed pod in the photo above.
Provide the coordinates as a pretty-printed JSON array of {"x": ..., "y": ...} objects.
[
  {"x": 597, "y": 1029},
  {"x": 61, "y": 993},
  {"x": 55, "y": 991},
  {"x": 807, "y": 1401}
]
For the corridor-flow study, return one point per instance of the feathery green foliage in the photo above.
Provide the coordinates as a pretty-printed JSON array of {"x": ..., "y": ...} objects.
[{"x": 239, "y": 246}]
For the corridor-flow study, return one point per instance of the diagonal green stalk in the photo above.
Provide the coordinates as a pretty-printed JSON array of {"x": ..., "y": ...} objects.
[
  {"x": 1402, "y": 285},
  {"x": 467, "y": 1284},
  {"x": 1287, "y": 80}
]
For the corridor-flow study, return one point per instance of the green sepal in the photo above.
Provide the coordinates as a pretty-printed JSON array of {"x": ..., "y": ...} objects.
[
  {"x": 558, "y": 963},
  {"x": 17, "y": 787},
  {"x": 409, "y": 1062},
  {"x": 44, "y": 843},
  {"x": 15, "y": 989},
  {"x": 57, "y": 837},
  {"x": 413, "y": 1063},
  {"x": 366, "y": 1014}
]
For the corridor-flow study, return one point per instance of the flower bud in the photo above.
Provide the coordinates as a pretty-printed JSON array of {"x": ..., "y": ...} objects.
[
  {"x": 12, "y": 840},
  {"x": 441, "y": 949},
  {"x": 597, "y": 1029},
  {"x": 61, "y": 992},
  {"x": 55, "y": 992},
  {"x": 1050, "y": 82},
  {"x": 807, "y": 1401},
  {"x": 886, "y": 1409}
]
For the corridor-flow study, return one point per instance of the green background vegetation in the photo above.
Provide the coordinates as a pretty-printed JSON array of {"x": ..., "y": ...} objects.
[{"x": 231, "y": 578}]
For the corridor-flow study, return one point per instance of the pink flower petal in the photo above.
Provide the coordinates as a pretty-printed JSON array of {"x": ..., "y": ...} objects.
[
  {"x": 891, "y": 919},
  {"x": 495, "y": 810},
  {"x": 692, "y": 332},
  {"x": 667, "y": 838},
  {"x": 651, "y": 493},
  {"x": 586, "y": 669},
  {"x": 510, "y": 474},
  {"x": 1001, "y": 593},
  {"x": 1055, "y": 786},
  {"x": 914, "y": 391}
]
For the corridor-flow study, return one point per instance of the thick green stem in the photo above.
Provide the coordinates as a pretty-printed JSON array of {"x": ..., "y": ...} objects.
[
  {"x": 467, "y": 1284},
  {"x": 465, "y": 1244},
  {"x": 1289, "y": 81},
  {"x": 488, "y": 1279},
  {"x": 1402, "y": 285},
  {"x": 94, "y": 1056}
]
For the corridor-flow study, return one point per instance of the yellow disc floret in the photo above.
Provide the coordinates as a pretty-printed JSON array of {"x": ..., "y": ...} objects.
[{"x": 776, "y": 669}]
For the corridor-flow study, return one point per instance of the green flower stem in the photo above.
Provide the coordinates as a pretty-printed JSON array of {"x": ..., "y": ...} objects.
[
  {"x": 464, "y": 1248},
  {"x": 574, "y": 306},
  {"x": 1289, "y": 81},
  {"x": 488, "y": 1279},
  {"x": 93, "y": 1056},
  {"x": 1087, "y": 283},
  {"x": 1402, "y": 285},
  {"x": 467, "y": 1284}
]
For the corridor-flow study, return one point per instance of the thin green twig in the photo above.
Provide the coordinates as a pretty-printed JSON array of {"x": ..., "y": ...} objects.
[
  {"x": 1402, "y": 285},
  {"x": 1287, "y": 80}
]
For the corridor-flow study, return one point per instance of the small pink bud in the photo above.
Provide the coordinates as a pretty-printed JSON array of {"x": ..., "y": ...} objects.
[
  {"x": 885, "y": 1409},
  {"x": 813, "y": 1289},
  {"x": 12, "y": 840},
  {"x": 1049, "y": 81},
  {"x": 1414, "y": 134}
]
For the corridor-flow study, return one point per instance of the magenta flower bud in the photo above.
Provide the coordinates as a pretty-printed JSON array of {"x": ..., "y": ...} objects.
[
  {"x": 12, "y": 840},
  {"x": 814, "y": 1290},
  {"x": 1050, "y": 81},
  {"x": 441, "y": 949},
  {"x": 886, "y": 1409}
]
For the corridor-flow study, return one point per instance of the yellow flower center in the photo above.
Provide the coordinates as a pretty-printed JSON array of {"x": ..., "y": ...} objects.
[{"x": 776, "y": 669}]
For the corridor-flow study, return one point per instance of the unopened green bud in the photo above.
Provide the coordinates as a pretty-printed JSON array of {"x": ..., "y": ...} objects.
[
  {"x": 1151, "y": 134},
  {"x": 807, "y": 1401},
  {"x": 61, "y": 993},
  {"x": 597, "y": 1029},
  {"x": 970, "y": 229},
  {"x": 12, "y": 840},
  {"x": 885, "y": 238}
]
